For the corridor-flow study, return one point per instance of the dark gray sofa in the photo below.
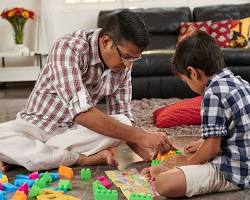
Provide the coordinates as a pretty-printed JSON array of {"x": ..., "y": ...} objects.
[{"x": 152, "y": 77}]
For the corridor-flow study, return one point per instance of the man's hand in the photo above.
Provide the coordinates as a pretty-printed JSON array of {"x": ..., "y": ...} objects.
[{"x": 159, "y": 142}]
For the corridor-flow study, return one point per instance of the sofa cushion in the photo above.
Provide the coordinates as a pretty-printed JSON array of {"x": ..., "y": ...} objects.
[
  {"x": 216, "y": 12},
  {"x": 203, "y": 26},
  {"x": 221, "y": 32},
  {"x": 244, "y": 10},
  {"x": 183, "y": 112}
]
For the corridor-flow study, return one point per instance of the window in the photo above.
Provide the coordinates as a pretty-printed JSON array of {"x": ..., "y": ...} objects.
[{"x": 88, "y": 1}]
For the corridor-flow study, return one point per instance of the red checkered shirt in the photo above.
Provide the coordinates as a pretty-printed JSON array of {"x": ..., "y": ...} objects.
[{"x": 73, "y": 80}]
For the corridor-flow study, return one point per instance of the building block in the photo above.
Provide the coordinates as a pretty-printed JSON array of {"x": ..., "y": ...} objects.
[
  {"x": 97, "y": 186},
  {"x": 66, "y": 172},
  {"x": 85, "y": 174},
  {"x": 2, "y": 195},
  {"x": 46, "y": 177},
  {"x": 21, "y": 176},
  {"x": 178, "y": 152},
  {"x": 34, "y": 191},
  {"x": 167, "y": 155},
  {"x": 34, "y": 176},
  {"x": 41, "y": 183},
  {"x": 19, "y": 195},
  {"x": 19, "y": 182},
  {"x": 54, "y": 175},
  {"x": 155, "y": 163},
  {"x": 59, "y": 190},
  {"x": 8, "y": 187},
  {"x": 49, "y": 194},
  {"x": 1, "y": 174},
  {"x": 135, "y": 196},
  {"x": 105, "y": 195},
  {"x": 4, "y": 179},
  {"x": 65, "y": 184},
  {"x": 24, "y": 188},
  {"x": 1, "y": 186},
  {"x": 104, "y": 181}
]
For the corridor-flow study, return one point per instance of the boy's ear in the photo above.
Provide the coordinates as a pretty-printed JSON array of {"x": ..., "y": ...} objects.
[{"x": 193, "y": 72}]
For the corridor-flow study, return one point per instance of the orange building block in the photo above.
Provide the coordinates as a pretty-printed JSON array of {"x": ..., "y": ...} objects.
[
  {"x": 66, "y": 172},
  {"x": 19, "y": 195}
]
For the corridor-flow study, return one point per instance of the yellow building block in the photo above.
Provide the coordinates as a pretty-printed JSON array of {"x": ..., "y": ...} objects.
[
  {"x": 4, "y": 179},
  {"x": 49, "y": 194},
  {"x": 165, "y": 156}
]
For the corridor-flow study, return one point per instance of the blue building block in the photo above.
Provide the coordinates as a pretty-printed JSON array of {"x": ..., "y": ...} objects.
[
  {"x": 1, "y": 174},
  {"x": 2, "y": 195},
  {"x": 8, "y": 187},
  {"x": 21, "y": 176},
  {"x": 19, "y": 182}
]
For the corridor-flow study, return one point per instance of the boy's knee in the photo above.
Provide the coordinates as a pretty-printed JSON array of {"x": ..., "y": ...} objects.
[
  {"x": 162, "y": 185},
  {"x": 171, "y": 184}
]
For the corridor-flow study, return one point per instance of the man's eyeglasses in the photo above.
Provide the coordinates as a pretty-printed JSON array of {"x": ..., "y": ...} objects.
[{"x": 123, "y": 58}]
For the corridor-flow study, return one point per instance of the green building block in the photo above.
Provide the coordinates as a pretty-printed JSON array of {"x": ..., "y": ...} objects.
[
  {"x": 41, "y": 183},
  {"x": 34, "y": 191},
  {"x": 106, "y": 195},
  {"x": 141, "y": 196},
  {"x": 85, "y": 174},
  {"x": 155, "y": 163},
  {"x": 98, "y": 186},
  {"x": 64, "y": 184},
  {"x": 47, "y": 177},
  {"x": 178, "y": 152}
]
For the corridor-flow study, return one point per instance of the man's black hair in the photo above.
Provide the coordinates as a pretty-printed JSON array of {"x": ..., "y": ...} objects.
[
  {"x": 127, "y": 25},
  {"x": 199, "y": 50}
]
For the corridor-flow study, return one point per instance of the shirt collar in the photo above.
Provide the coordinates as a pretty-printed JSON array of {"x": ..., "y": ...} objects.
[
  {"x": 94, "y": 48},
  {"x": 218, "y": 75}
]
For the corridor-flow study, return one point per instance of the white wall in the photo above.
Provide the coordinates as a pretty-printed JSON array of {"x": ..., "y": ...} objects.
[
  {"x": 6, "y": 32},
  {"x": 69, "y": 17}
]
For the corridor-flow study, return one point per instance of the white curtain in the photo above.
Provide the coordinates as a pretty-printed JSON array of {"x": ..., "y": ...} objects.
[{"x": 45, "y": 26}]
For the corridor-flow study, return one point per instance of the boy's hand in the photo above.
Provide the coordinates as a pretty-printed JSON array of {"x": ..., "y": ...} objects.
[
  {"x": 192, "y": 147},
  {"x": 178, "y": 160}
]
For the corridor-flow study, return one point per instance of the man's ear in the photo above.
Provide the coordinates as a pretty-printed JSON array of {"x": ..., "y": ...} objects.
[
  {"x": 193, "y": 72},
  {"x": 106, "y": 41}
]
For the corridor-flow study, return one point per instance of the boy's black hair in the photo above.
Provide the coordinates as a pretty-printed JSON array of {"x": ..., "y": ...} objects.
[
  {"x": 199, "y": 50},
  {"x": 127, "y": 25}
]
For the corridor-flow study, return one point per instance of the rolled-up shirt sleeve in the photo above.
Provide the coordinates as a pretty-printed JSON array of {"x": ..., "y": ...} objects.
[
  {"x": 213, "y": 117},
  {"x": 67, "y": 81},
  {"x": 120, "y": 101}
]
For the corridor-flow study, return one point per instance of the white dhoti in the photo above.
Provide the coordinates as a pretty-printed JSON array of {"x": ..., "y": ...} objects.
[{"x": 22, "y": 143}]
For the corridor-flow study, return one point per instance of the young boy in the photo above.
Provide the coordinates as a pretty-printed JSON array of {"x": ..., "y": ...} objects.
[{"x": 221, "y": 161}]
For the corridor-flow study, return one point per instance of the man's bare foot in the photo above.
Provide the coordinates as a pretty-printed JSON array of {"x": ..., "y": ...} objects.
[
  {"x": 102, "y": 157},
  {"x": 145, "y": 153},
  {"x": 4, "y": 167}
]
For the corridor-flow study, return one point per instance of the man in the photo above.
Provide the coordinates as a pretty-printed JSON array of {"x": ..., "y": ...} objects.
[{"x": 60, "y": 124}]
